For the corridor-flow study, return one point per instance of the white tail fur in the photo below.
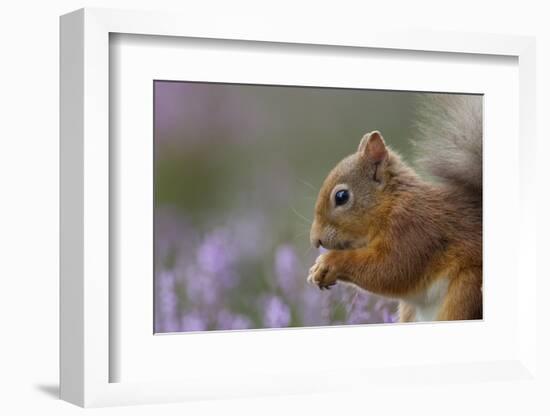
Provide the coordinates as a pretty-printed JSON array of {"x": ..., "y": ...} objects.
[{"x": 450, "y": 131}]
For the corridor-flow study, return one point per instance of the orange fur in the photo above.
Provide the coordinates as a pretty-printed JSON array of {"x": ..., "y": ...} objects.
[{"x": 399, "y": 234}]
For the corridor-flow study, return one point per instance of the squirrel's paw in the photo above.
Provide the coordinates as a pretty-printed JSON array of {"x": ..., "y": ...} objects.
[{"x": 321, "y": 274}]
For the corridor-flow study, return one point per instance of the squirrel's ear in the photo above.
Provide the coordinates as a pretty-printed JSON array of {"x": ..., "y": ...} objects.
[{"x": 373, "y": 147}]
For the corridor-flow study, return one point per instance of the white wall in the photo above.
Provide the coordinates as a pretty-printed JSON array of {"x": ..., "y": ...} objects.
[{"x": 29, "y": 183}]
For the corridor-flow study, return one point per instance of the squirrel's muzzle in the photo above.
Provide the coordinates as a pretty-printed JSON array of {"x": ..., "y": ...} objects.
[{"x": 315, "y": 235}]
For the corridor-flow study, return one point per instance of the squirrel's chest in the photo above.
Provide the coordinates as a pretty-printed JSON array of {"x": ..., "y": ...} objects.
[{"x": 428, "y": 303}]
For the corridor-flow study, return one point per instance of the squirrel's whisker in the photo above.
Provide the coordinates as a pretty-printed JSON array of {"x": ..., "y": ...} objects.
[
  {"x": 309, "y": 222},
  {"x": 301, "y": 234},
  {"x": 309, "y": 185},
  {"x": 307, "y": 250}
]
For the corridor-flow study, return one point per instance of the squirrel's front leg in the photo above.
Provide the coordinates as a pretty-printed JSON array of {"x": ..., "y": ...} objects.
[
  {"x": 371, "y": 268},
  {"x": 328, "y": 269}
]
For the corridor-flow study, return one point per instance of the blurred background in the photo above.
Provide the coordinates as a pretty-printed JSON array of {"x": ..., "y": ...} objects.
[{"x": 237, "y": 171}]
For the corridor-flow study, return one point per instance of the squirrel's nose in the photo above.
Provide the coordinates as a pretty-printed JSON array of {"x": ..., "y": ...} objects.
[
  {"x": 315, "y": 241},
  {"x": 315, "y": 235}
]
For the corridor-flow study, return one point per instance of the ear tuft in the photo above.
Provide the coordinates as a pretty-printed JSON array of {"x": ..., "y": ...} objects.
[{"x": 373, "y": 147}]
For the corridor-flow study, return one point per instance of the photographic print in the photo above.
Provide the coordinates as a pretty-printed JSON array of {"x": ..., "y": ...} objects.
[{"x": 286, "y": 206}]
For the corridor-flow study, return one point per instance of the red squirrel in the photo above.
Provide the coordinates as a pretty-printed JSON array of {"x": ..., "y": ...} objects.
[{"x": 391, "y": 232}]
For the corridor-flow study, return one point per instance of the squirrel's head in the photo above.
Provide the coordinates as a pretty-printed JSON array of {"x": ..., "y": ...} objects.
[{"x": 349, "y": 194}]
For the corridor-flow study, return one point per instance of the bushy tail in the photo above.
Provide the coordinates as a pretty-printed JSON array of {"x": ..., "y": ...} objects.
[{"x": 449, "y": 140}]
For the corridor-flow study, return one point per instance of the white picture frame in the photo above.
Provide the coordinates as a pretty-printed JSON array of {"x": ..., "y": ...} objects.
[{"x": 87, "y": 302}]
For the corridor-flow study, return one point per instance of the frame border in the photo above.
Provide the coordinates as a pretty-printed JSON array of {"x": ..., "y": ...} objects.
[{"x": 84, "y": 177}]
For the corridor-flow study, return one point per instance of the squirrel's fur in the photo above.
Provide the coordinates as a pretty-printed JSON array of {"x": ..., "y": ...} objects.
[
  {"x": 404, "y": 236},
  {"x": 450, "y": 133}
]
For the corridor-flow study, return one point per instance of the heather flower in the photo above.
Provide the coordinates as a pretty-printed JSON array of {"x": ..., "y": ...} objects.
[
  {"x": 166, "y": 303},
  {"x": 387, "y": 316},
  {"x": 359, "y": 308},
  {"x": 201, "y": 288},
  {"x": 203, "y": 277},
  {"x": 193, "y": 321},
  {"x": 227, "y": 320},
  {"x": 287, "y": 267},
  {"x": 368, "y": 308},
  {"x": 215, "y": 252},
  {"x": 314, "y": 307},
  {"x": 359, "y": 316},
  {"x": 276, "y": 313}
]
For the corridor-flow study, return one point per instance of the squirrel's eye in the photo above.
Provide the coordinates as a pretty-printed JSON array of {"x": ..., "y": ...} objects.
[{"x": 341, "y": 197}]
